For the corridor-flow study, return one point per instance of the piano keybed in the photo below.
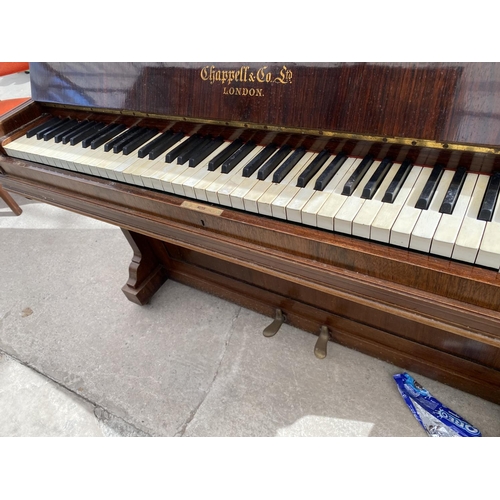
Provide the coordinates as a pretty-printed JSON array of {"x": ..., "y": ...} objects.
[{"x": 448, "y": 213}]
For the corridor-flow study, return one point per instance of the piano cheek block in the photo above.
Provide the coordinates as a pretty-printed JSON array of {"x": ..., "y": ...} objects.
[{"x": 339, "y": 210}]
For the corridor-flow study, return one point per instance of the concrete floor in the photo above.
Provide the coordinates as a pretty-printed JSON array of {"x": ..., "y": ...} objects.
[{"x": 78, "y": 359}]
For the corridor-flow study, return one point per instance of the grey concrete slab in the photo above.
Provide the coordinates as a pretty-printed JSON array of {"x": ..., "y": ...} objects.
[
  {"x": 69, "y": 290},
  {"x": 277, "y": 387},
  {"x": 15, "y": 86},
  {"x": 33, "y": 406}
]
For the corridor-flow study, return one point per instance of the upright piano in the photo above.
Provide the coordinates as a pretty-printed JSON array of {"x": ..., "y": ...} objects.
[{"x": 356, "y": 201}]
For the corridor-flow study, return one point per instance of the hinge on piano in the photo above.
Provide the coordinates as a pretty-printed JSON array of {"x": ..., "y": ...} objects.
[{"x": 272, "y": 329}]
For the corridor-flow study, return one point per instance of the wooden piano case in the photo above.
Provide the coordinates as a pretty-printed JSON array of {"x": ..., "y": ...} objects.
[{"x": 426, "y": 314}]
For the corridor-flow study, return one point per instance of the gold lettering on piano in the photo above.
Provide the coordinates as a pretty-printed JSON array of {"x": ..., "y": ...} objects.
[
  {"x": 263, "y": 75},
  {"x": 252, "y": 91}
]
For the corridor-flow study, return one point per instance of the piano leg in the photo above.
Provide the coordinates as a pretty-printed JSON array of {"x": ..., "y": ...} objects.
[
  {"x": 10, "y": 201},
  {"x": 148, "y": 269}
]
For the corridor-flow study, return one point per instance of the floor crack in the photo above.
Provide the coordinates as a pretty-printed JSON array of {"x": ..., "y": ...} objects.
[
  {"x": 101, "y": 413},
  {"x": 182, "y": 431}
]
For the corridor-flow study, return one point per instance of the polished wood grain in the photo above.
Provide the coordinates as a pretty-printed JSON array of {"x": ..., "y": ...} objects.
[
  {"x": 148, "y": 269},
  {"x": 444, "y": 102}
]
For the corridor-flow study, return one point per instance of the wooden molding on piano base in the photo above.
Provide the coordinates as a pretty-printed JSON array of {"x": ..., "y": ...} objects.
[
  {"x": 147, "y": 271},
  {"x": 429, "y": 315}
]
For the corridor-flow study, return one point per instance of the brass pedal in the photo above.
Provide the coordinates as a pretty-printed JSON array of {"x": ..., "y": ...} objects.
[
  {"x": 272, "y": 329},
  {"x": 321, "y": 343}
]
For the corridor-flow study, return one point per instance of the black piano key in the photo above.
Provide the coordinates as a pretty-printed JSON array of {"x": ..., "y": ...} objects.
[
  {"x": 398, "y": 181},
  {"x": 43, "y": 126},
  {"x": 357, "y": 175},
  {"x": 224, "y": 155},
  {"x": 183, "y": 146},
  {"x": 81, "y": 126},
  {"x": 327, "y": 175},
  {"x": 427, "y": 193},
  {"x": 237, "y": 157},
  {"x": 256, "y": 162},
  {"x": 83, "y": 134},
  {"x": 87, "y": 141},
  {"x": 68, "y": 128},
  {"x": 165, "y": 145},
  {"x": 289, "y": 163},
  {"x": 273, "y": 162},
  {"x": 313, "y": 168},
  {"x": 375, "y": 180},
  {"x": 116, "y": 139},
  {"x": 63, "y": 126},
  {"x": 125, "y": 139},
  {"x": 40, "y": 135},
  {"x": 451, "y": 196},
  {"x": 490, "y": 198},
  {"x": 196, "y": 148},
  {"x": 106, "y": 134},
  {"x": 195, "y": 160},
  {"x": 140, "y": 140},
  {"x": 147, "y": 148}
]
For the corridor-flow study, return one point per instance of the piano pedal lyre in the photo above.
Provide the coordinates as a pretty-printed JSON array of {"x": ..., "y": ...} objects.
[
  {"x": 322, "y": 342},
  {"x": 272, "y": 329}
]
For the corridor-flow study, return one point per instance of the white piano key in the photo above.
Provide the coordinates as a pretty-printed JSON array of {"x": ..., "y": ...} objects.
[
  {"x": 326, "y": 214},
  {"x": 362, "y": 222},
  {"x": 159, "y": 168},
  {"x": 489, "y": 250},
  {"x": 19, "y": 148},
  {"x": 274, "y": 197},
  {"x": 222, "y": 182},
  {"x": 293, "y": 199},
  {"x": 258, "y": 189},
  {"x": 408, "y": 216},
  {"x": 426, "y": 225},
  {"x": 191, "y": 176},
  {"x": 382, "y": 224},
  {"x": 235, "y": 178},
  {"x": 54, "y": 154},
  {"x": 201, "y": 187},
  {"x": 196, "y": 186},
  {"x": 471, "y": 231},
  {"x": 316, "y": 199},
  {"x": 30, "y": 149},
  {"x": 449, "y": 225},
  {"x": 133, "y": 173},
  {"x": 116, "y": 164},
  {"x": 346, "y": 214}
]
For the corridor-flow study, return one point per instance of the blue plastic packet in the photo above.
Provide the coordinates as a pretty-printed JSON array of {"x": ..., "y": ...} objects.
[{"x": 434, "y": 417}]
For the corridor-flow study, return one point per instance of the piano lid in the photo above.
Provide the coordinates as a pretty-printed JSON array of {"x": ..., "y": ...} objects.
[{"x": 441, "y": 102}]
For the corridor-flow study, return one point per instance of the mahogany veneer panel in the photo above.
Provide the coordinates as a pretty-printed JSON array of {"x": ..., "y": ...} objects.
[{"x": 445, "y": 102}]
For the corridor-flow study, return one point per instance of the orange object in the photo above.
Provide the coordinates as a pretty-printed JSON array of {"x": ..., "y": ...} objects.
[
  {"x": 8, "y": 68},
  {"x": 9, "y": 104}
]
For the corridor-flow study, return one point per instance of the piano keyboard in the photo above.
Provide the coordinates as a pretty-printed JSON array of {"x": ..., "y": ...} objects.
[{"x": 448, "y": 213}]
